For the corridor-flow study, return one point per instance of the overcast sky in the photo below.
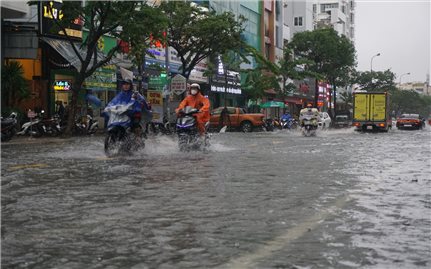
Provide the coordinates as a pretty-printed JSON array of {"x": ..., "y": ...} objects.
[{"x": 399, "y": 31}]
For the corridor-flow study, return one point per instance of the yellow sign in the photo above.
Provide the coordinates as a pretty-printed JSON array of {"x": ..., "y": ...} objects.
[
  {"x": 52, "y": 12},
  {"x": 155, "y": 98}
]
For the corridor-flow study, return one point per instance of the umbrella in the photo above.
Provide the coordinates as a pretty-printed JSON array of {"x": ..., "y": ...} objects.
[
  {"x": 93, "y": 99},
  {"x": 273, "y": 104}
]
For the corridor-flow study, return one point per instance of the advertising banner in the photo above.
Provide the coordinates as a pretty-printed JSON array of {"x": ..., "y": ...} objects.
[{"x": 155, "y": 98}]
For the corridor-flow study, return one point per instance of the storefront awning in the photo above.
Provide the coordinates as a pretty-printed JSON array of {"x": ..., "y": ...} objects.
[{"x": 65, "y": 49}]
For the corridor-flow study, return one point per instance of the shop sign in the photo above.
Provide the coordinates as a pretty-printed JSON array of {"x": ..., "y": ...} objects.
[
  {"x": 179, "y": 84},
  {"x": 103, "y": 78},
  {"x": 157, "y": 83},
  {"x": 229, "y": 89},
  {"x": 62, "y": 85},
  {"x": 155, "y": 98},
  {"x": 49, "y": 11}
]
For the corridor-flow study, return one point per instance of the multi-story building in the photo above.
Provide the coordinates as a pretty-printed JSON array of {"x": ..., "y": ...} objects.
[
  {"x": 419, "y": 87},
  {"x": 309, "y": 15}
]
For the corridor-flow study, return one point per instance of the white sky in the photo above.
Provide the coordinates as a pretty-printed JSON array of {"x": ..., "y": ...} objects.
[{"x": 399, "y": 31}]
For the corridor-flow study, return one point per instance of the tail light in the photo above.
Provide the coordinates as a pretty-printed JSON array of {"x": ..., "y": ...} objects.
[
  {"x": 137, "y": 115},
  {"x": 357, "y": 124},
  {"x": 381, "y": 125}
]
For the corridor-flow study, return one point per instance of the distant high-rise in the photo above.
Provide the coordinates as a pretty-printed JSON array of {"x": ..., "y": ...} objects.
[{"x": 309, "y": 15}]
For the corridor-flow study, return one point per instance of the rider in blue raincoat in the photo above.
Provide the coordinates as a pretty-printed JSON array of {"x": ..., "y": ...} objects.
[{"x": 140, "y": 111}]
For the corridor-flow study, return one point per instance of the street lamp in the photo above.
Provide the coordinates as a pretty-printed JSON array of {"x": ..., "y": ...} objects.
[
  {"x": 403, "y": 75},
  {"x": 378, "y": 54}
]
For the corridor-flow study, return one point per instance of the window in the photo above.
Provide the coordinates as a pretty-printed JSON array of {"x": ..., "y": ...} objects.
[
  {"x": 277, "y": 37},
  {"x": 277, "y": 10},
  {"x": 297, "y": 21}
]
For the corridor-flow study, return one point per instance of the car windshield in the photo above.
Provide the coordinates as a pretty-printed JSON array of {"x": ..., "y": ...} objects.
[
  {"x": 341, "y": 117},
  {"x": 409, "y": 116}
]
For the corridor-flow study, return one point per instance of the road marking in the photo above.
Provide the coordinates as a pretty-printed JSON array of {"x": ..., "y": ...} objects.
[
  {"x": 24, "y": 166},
  {"x": 277, "y": 142},
  {"x": 283, "y": 240}
]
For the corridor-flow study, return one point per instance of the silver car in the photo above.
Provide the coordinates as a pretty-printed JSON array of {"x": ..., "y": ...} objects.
[{"x": 325, "y": 120}]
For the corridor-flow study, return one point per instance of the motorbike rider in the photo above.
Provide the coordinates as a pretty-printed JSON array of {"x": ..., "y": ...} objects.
[
  {"x": 286, "y": 116},
  {"x": 140, "y": 106},
  {"x": 196, "y": 100},
  {"x": 308, "y": 110}
]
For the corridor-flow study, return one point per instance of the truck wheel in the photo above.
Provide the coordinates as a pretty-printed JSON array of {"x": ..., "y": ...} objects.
[{"x": 246, "y": 127}]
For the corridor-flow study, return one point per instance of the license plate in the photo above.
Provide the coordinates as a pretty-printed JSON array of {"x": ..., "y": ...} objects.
[
  {"x": 407, "y": 125},
  {"x": 369, "y": 127}
]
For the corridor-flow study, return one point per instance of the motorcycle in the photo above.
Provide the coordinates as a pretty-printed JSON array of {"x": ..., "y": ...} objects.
[
  {"x": 309, "y": 125},
  {"x": 188, "y": 134},
  {"x": 86, "y": 125},
  {"x": 9, "y": 127},
  {"x": 288, "y": 123},
  {"x": 268, "y": 125},
  {"x": 40, "y": 125},
  {"x": 120, "y": 137}
]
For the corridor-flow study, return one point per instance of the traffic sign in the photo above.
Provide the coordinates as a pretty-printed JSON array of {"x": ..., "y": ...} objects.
[{"x": 178, "y": 84}]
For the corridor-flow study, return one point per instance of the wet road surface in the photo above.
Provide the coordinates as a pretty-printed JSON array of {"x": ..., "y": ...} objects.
[{"x": 262, "y": 200}]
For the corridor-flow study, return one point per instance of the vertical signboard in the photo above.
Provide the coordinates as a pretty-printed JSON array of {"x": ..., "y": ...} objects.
[{"x": 155, "y": 98}]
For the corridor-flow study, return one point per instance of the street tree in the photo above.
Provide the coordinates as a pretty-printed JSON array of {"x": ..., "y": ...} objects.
[
  {"x": 99, "y": 18},
  {"x": 197, "y": 34},
  {"x": 375, "y": 81},
  {"x": 143, "y": 29},
  {"x": 332, "y": 56},
  {"x": 409, "y": 101}
]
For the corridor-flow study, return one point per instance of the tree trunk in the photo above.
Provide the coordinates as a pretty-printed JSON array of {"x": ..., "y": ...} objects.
[
  {"x": 316, "y": 92},
  {"x": 72, "y": 108}
]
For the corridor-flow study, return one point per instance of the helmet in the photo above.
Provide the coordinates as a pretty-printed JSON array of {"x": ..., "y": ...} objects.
[
  {"x": 195, "y": 85},
  {"x": 309, "y": 105}
]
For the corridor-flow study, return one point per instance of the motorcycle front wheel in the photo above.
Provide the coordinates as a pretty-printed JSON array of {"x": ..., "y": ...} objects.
[{"x": 110, "y": 144}]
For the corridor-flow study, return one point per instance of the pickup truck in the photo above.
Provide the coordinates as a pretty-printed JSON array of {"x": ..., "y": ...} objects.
[
  {"x": 371, "y": 111},
  {"x": 238, "y": 118}
]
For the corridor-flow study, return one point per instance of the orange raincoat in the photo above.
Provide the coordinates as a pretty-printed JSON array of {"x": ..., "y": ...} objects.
[{"x": 200, "y": 102}]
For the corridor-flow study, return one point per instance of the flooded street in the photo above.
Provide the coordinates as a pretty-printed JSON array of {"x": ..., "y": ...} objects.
[{"x": 261, "y": 200}]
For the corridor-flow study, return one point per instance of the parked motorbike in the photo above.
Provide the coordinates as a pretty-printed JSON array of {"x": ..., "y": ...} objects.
[
  {"x": 86, "y": 125},
  {"x": 9, "y": 127},
  {"x": 120, "y": 137},
  {"x": 40, "y": 125},
  {"x": 309, "y": 125},
  {"x": 268, "y": 125},
  {"x": 188, "y": 134}
]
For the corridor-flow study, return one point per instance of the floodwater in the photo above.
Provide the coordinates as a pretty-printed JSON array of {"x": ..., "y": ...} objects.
[{"x": 341, "y": 199}]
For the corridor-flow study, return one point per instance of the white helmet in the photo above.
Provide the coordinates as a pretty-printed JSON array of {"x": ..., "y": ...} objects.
[{"x": 195, "y": 85}]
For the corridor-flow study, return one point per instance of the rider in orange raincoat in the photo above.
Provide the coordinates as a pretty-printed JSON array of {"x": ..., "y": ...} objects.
[{"x": 198, "y": 101}]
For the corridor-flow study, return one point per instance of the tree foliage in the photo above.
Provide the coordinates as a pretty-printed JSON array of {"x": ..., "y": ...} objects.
[
  {"x": 145, "y": 26},
  {"x": 197, "y": 34},
  {"x": 409, "y": 101},
  {"x": 14, "y": 87},
  {"x": 329, "y": 54},
  {"x": 332, "y": 57},
  {"x": 375, "y": 81}
]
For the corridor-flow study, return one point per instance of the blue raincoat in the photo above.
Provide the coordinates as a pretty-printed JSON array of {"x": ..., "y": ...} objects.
[{"x": 127, "y": 98}]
